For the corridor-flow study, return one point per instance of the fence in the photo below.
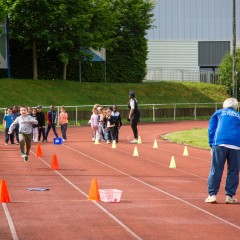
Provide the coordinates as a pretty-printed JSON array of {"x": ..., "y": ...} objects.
[
  {"x": 149, "y": 112},
  {"x": 161, "y": 74}
]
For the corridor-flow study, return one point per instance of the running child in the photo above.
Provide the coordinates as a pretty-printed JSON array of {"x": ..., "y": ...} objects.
[{"x": 25, "y": 122}]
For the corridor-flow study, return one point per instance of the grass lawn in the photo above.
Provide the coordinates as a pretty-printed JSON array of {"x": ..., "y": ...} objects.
[{"x": 197, "y": 137}]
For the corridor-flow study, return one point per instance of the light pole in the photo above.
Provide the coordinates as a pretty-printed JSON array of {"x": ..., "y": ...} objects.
[{"x": 234, "y": 72}]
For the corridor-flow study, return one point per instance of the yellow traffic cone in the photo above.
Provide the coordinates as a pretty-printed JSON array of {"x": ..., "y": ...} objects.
[
  {"x": 172, "y": 163},
  {"x": 185, "y": 152},
  {"x": 96, "y": 141},
  {"x": 135, "y": 153},
  {"x": 139, "y": 140},
  {"x": 155, "y": 145}
]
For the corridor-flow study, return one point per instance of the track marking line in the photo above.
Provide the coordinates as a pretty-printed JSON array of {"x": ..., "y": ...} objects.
[
  {"x": 159, "y": 190},
  {"x": 10, "y": 222},
  {"x": 96, "y": 203}
]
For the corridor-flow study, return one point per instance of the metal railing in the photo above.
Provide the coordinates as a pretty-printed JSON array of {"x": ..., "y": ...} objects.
[
  {"x": 162, "y": 74},
  {"x": 149, "y": 112}
]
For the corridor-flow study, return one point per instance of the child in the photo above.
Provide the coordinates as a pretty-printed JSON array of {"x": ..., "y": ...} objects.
[
  {"x": 16, "y": 129},
  {"x": 117, "y": 121},
  {"x": 35, "y": 126},
  {"x": 94, "y": 123},
  {"x": 100, "y": 123},
  {"x": 63, "y": 121},
  {"x": 25, "y": 122},
  {"x": 7, "y": 121},
  {"x": 110, "y": 126},
  {"x": 41, "y": 124}
]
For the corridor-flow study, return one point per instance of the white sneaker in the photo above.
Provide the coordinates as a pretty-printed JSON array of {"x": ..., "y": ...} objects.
[
  {"x": 134, "y": 141},
  {"x": 211, "y": 199},
  {"x": 231, "y": 200}
]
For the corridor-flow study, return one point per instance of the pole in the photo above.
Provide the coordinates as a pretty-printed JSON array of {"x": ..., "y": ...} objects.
[
  {"x": 8, "y": 48},
  {"x": 234, "y": 77}
]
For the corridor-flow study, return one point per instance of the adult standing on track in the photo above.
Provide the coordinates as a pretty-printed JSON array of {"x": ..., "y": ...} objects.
[
  {"x": 51, "y": 121},
  {"x": 223, "y": 134},
  {"x": 134, "y": 115}
]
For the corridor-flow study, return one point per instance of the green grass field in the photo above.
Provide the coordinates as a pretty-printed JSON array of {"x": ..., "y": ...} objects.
[{"x": 197, "y": 137}]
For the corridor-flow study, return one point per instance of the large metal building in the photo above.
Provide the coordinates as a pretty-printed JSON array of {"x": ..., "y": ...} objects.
[{"x": 190, "y": 38}]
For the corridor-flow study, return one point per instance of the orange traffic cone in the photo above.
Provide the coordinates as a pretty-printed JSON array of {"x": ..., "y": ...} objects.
[
  {"x": 93, "y": 192},
  {"x": 54, "y": 165},
  {"x": 39, "y": 151},
  {"x": 4, "y": 196}
]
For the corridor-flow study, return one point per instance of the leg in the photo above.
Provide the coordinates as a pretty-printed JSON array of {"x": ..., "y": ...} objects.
[
  {"x": 47, "y": 130},
  {"x": 232, "y": 180},
  {"x": 219, "y": 155},
  {"x": 54, "y": 130},
  {"x": 134, "y": 128},
  {"x": 28, "y": 140},
  {"x": 22, "y": 143},
  {"x": 6, "y": 136}
]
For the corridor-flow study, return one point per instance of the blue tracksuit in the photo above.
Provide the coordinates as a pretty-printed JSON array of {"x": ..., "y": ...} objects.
[{"x": 224, "y": 138}]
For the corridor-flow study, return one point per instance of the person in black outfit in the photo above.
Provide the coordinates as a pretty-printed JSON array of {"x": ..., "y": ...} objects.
[
  {"x": 134, "y": 115},
  {"x": 41, "y": 124}
]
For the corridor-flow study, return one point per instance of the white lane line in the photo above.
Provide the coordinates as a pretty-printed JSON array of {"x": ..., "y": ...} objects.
[
  {"x": 158, "y": 189},
  {"x": 10, "y": 222},
  {"x": 96, "y": 203}
]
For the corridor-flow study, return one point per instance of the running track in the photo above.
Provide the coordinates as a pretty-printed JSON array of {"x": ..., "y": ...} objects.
[{"x": 157, "y": 202}]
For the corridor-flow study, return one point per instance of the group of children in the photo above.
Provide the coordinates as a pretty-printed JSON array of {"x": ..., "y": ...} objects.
[
  {"x": 28, "y": 124},
  {"x": 105, "y": 123}
]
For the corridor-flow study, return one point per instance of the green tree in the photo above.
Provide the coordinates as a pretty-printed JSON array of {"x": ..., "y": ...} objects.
[
  {"x": 61, "y": 26},
  {"x": 29, "y": 22},
  {"x": 127, "y": 61},
  {"x": 225, "y": 72},
  {"x": 3, "y": 13},
  {"x": 80, "y": 23}
]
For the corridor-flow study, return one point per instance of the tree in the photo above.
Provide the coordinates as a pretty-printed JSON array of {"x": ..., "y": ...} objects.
[
  {"x": 128, "y": 58},
  {"x": 225, "y": 72},
  {"x": 62, "y": 26},
  {"x": 29, "y": 21}
]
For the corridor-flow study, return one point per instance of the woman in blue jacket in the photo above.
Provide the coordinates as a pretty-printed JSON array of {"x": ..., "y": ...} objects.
[{"x": 224, "y": 139}]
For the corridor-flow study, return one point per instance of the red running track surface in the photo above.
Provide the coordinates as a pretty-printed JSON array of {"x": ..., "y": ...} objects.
[{"x": 157, "y": 202}]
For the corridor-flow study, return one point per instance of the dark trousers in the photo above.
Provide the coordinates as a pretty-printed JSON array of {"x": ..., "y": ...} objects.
[
  {"x": 41, "y": 131},
  {"x": 7, "y": 136},
  {"x": 116, "y": 133},
  {"x": 16, "y": 132},
  {"x": 110, "y": 135},
  {"x": 134, "y": 124},
  {"x": 220, "y": 155},
  {"x": 53, "y": 126},
  {"x": 64, "y": 131}
]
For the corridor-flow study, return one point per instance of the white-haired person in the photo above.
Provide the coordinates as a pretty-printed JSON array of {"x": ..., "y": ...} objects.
[{"x": 224, "y": 139}]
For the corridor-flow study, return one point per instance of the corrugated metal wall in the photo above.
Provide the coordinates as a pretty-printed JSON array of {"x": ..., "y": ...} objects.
[
  {"x": 203, "y": 20},
  {"x": 173, "y": 55},
  {"x": 179, "y": 26}
]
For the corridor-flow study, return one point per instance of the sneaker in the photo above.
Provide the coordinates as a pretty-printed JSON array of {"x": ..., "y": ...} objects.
[
  {"x": 64, "y": 140},
  {"x": 230, "y": 200},
  {"x": 17, "y": 143},
  {"x": 134, "y": 141},
  {"x": 44, "y": 140},
  {"x": 108, "y": 142},
  {"x": 211, "y": 199},
  {"x": 23, "y": 154},
  {"x": 6, "y": 144},
  {"x": 25, "y": 158}
]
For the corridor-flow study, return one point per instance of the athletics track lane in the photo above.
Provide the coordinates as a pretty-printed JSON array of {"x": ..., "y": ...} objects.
[{"x": 157, "y": 202}]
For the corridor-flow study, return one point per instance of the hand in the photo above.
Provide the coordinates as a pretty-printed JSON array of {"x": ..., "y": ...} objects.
[
  {"x": 128, "y": 119},
  {"x": 9, "y": 132}
]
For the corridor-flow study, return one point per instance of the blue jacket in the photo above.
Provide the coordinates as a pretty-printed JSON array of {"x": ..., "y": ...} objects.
[{"x": 224, "y": 128}]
